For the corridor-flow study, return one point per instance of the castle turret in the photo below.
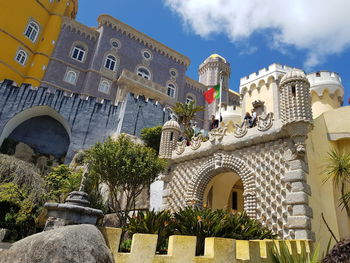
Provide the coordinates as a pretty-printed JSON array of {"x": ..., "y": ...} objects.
[
  {"x": 170, "y": 135},
  {"x": 210, "y": 71},
  {"x": 295, "y": 103},
  {"x": 327, "y": 91},
  {"x": 296, "y": 118}
]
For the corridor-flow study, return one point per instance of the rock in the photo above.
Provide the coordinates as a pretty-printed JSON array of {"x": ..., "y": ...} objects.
[
  {"x": 110, "y": 220},
  {"x": 70, "y": 244},
  {"x": 3, "y": 234},
  {"x": 24, "y": 152},
  {"x": 41, "y": 163}
]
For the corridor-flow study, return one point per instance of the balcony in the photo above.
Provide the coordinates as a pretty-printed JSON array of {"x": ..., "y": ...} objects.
[{"x": 131, "y": 82}]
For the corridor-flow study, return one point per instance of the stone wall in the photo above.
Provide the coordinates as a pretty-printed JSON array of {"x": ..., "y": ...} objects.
[
  {"x": 181, "y": 249},
  {"x": 261, "y": 168},
  {"x": 87, "y": 120}
]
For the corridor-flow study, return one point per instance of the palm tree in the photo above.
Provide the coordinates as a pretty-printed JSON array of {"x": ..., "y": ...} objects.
[
  {"x": 338, "y": 169},
  {"x": 186, "y": 112}
]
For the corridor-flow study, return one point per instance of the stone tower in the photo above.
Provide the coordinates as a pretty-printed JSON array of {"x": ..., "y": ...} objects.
[
  {"x": 170, "y": 135},
  {"x": 296, "y": 115},
  {"x": 327, "y": 92},
  {"x": 295, "y": 103},
  {"x": 209, "y": 75}
]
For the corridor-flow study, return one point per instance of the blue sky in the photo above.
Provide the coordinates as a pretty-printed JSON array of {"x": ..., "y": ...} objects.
[{"x": 248, "y": 44}]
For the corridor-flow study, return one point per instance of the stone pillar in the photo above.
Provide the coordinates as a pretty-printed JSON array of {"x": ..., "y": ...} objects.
[{"x": 300, "y": 221}]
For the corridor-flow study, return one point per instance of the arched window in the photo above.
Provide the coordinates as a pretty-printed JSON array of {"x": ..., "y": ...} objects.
[
  {"x": 171, "y": 90},
  {"x": 78, "y": 53},
  {"x": 71, "y": 77},
  {"x": 21, "y": 57},
  {"x": 111, "y": 62},
  {"x": 32, "y": 31},
  {"x": 189, "y": 99},
  {"x": 104, "y": 86},
  {"x": 142, "y": 72}
]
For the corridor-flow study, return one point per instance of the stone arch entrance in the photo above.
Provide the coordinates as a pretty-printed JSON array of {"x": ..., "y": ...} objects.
[
  {"x": 224, "y": 191},
  {"x": 40, "y": 127},
  {"x": 221, "y": 163}
]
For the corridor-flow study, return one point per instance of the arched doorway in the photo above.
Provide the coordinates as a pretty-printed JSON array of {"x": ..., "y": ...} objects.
[
  {"x": 218, "y": 164},
  {"x": 225, "y": 191},
  {"x": 42, "y": 128}
]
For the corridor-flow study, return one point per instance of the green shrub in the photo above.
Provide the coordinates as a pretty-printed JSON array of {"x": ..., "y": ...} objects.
[
  {"x": 151, "y": 137},
  {"x": 197, "y": 222},
  {"x": 150, "y": 222},
  {"x": 125, "y": 246},
  {"x": 219, "y": 223},
  {"x": 283, "y": 256}
]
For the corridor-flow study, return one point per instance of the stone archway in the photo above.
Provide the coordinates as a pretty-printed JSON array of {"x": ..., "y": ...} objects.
[
  {"x": 220, "y": 163},
  {"x": 40, "y": 127},
  {"x": 31, "y": 113}
]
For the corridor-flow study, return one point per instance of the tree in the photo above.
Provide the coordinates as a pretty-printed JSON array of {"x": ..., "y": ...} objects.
[
  {"x": 151, "y": 137},
  {"x": 186, "y": 112},
  {"x": 126, "y": 168},
  {"x": 60, "y": 182},
  {"x": 338, "y": 169}
]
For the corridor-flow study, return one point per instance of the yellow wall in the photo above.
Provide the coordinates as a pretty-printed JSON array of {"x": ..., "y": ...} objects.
[
  {"x": 13, "y": 23},
  {"x": 265, "y": 93},
  {"x": 221, "y": 187},
  {"x": 324, "y": 198},
  {"x": 324, "y": 104}
]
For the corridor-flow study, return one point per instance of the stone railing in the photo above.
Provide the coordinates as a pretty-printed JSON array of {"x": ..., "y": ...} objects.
[
  {"x": 181, "y": 249},
  {"x": 131, "y": 82},
  {"x": 263, "y": 124}
]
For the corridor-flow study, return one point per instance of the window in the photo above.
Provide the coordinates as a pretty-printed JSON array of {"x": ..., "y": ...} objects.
[
  {"x": 70, "y": 77},
  {"x": 318, "y": 74},
  {"x": 171, "y": 136},
  {"x": 142, "y": 72},
  {"x": 21, "y": 57},
  {"x": 189, "y": 99},
  {"x": 104, "y": 86},
  {"x": 293, "y": 90},
  {"x": 147, "y": 54},
  {"x": 78, "y": 53},
  {"x": 173, "y": 73},
  {"x": 110, "y": 62},
  {"x": 32, "y": 31},
  {"x": 234, "y": 201},
  {"x": 171, "y": 90}
]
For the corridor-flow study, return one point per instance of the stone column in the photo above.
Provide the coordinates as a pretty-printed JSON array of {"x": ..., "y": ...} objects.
[{"x": 300, "y": 221}]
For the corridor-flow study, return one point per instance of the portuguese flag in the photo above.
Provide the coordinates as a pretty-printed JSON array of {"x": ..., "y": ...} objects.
[{"x": 212, "y": 94}]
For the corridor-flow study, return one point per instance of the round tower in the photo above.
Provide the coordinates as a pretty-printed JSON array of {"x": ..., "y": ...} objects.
[
  {"x": 210, "y": 71},
  {"x": 327, "y": 91},
  {"x": 170, "y": 135},
  {"x": 295, "y": 104}
]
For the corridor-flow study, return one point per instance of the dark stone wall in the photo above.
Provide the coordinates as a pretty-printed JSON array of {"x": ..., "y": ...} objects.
[
  {"x": 129, "y": 55},
  {"x": 43, "y": 134},
  {"x": 139, "y": 114},
  {"x": 88, "y": 120}
]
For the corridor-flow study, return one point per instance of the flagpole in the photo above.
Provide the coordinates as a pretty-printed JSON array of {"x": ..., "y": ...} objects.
[{"x": 220, "y": 99}]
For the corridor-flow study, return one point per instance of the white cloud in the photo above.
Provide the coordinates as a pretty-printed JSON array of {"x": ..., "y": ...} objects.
[{"x": 321, "y": 27}]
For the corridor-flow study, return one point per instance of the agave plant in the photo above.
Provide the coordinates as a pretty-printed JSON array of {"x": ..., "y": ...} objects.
[
  {"x": 284, "y": 256},
  {"x": 219, "y": 223},
  {"x": 150, "y": 222}
]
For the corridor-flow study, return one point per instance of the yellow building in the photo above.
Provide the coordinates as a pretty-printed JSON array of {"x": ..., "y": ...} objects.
[{"x": 28, "y": 33}]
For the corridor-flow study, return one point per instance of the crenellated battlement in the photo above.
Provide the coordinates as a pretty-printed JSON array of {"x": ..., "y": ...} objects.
[
  {"x": 182, "y": 249},
  {"x": 264, "y": 72},
  {"x": 85, "y": 31},
  {"x": 53, "y": 91},
  {"x": 323, "y": 81}
]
